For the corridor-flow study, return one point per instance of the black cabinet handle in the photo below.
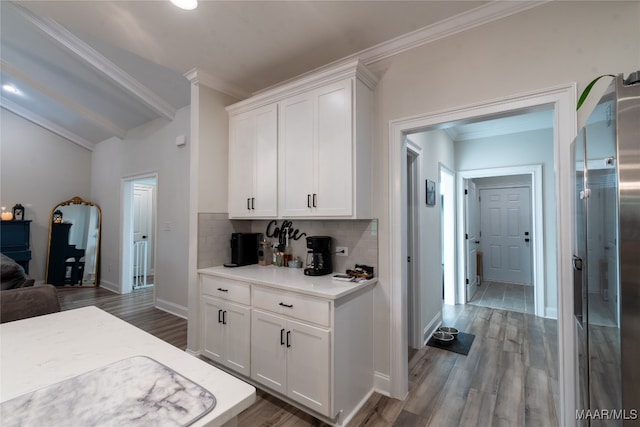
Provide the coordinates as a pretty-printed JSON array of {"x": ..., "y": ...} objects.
[
  {"x": 219, "y": 316},
  {"x": 286, "y": 305},
  {"x": 526, "y": 240},
  {"x": 315, "y": 200},
  {"x": 248, "y": 203},
  {"x": 288, "y": 339},
  {"x": 282, "y": 336},
  {"x": 224, "y": 317},
  {"x": 253, "y": 200},
  {"x": 223, "y": 290},
  {"x": 308, "y": 200}
]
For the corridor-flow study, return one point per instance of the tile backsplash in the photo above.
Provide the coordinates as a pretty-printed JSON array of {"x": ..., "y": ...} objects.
[{"x": 359, "y": 236}]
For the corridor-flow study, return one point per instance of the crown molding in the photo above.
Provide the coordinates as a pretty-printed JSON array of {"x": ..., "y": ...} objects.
[
  {"x": 197, "y": 76},
  {"x": 16, "y": 109},
  {"x": 473, "y": 18},
  {"x": 351, "y": 69},
  {"x": 97, "y": 61}
]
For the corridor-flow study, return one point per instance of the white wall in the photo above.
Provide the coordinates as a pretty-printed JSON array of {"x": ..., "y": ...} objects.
[
  {"x": 550, "y": 45},
  {"x": 39, "y": 170},
  {"x": 213, "y": 150},
  {"x": 148, "y": 148}
]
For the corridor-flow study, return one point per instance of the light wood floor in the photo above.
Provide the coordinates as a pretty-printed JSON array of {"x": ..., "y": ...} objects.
[{"x": 508, "y": 379}]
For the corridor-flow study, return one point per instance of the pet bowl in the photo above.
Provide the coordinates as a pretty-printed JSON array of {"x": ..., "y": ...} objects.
[
  {"x": 443, "y": 337},
  {"x": 449, "y": 330}
]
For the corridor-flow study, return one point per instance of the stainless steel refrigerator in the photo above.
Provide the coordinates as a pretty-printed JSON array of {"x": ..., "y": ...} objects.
[{"x": 607, "y": 258}]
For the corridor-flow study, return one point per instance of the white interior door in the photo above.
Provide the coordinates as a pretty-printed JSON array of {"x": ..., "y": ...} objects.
[
  {"x": 143, "y": 221},
  {"x": 506, "y": 234},
  {"x": 471, "y": 234}
]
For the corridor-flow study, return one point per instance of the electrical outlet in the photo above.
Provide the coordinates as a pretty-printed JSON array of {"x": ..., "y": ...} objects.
[{"x": 342, "y": 251}]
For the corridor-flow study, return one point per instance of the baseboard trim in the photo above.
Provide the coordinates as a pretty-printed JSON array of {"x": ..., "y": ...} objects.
[
  {"x": 431, "y": 327},
  {"x": 551, "y": 312},
  {"x": 382, "y": 383},
  {"x": 193, "y": 353},
  {"x": 110, "y": 286},
  {"x": 172, "y": 308},
  {"x": 347, "y": 419}
]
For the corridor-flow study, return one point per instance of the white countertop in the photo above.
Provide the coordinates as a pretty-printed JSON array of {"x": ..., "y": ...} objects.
[
  {"x": 45, "y": 350},
  {"x": 291, "y": 279}
]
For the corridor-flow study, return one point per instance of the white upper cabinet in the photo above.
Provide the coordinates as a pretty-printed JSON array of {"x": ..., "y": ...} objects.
[
  {"x": 316, "y": 153},
  {"x": 323, "y": 131},
  {"x": 253, "y": 163}
]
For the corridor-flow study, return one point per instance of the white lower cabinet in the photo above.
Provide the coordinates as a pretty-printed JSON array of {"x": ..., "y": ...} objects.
[
  {"x": 292, "y": 358},
  {"x": 311, "y": 350},
  {"x": 226, "y": 333}
]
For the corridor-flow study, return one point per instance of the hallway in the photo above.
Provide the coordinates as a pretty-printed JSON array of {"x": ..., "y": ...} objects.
[{"x": 505, "y": 296}]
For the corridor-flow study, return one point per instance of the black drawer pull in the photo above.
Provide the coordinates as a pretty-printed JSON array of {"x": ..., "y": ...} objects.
[
  {"x": 223, "y": 290},
  {"x": 288, "y": 338},
  {"x": 286, "y": 305},
  {"x": 281, "y": 336}
]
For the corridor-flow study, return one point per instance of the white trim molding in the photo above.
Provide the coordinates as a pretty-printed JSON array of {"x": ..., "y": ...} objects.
[
  {"x": 481, "y": 15},
  {"x": 197, "y": 76},
  {"x": 433, "y": 325},
  {"x": 172, "y": 308},
  {"x": 563, "y": 99}
]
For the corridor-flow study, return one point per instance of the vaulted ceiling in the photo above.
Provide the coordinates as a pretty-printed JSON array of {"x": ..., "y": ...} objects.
[{"x": 92, "y": 70}]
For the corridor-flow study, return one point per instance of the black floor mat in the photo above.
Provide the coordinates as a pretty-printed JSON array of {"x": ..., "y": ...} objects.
[{"x": 460, "y": 345}]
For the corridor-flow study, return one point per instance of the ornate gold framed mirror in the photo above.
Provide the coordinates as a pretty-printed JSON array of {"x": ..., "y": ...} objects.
[{"x": 73, "y": 257}]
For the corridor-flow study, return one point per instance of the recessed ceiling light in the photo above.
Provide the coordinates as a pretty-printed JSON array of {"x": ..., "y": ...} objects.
[
  {"x": 11, "y": 89},
  {"x": 185, "y": 4}
]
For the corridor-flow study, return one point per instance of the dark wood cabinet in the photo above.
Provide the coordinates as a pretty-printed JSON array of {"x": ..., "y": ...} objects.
[{"x": 14, "y": 241}]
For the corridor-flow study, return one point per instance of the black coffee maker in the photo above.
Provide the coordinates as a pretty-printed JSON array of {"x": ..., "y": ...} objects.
[{"x": 318, "y": 256}]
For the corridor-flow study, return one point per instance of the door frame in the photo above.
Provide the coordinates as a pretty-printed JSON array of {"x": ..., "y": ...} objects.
[
  {"x": 449, "y": 245},
  {"x": 416, "y": 336},
  {"x": 537, "y": 231},
  {"x": 563, "y": 99},
  {"x": 126, "y": 231}
]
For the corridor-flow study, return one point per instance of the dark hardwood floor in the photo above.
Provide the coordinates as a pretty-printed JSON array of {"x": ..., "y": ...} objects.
[{"x": 508, "y": 379}]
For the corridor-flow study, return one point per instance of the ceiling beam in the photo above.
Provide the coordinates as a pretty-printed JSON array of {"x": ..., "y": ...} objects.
[
  {"x": 97, "y": 61},
  {"x": 65, "y": 101},
  {"x": 16, "y": 109}
]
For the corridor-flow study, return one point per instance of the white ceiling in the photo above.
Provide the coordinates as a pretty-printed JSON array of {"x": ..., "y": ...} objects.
[{"x": 90, "y": 70}]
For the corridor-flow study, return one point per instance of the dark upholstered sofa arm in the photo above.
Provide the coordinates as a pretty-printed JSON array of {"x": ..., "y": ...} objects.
[{"x": 21, "y": 303}]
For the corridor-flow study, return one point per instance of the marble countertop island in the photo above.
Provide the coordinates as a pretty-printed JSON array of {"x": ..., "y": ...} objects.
[{"x": 89, "y": 349}]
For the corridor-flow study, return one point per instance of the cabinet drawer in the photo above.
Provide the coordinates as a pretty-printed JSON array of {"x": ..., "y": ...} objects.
[
  {"x": 228, "y": 289},
  {"x": 293, "y": 305}
]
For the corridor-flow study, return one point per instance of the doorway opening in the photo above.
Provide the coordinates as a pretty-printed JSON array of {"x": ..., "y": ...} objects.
[
  {"x": 138, "y": 232},
  {"x": 561, "y": 101}
]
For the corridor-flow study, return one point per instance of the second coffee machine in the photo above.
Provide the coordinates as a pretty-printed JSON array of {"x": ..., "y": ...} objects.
[{"x": 318, "y": 256}]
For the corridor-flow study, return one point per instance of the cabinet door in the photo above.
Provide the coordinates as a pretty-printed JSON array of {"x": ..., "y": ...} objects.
[
  {"x": 212, "y": 329},
  {"x": 296, "y": 155},
  {"x": 334, "y": 148},
  {"x": 309, "y": 366},
  {"x": 266, "y": 162},
  {"x": 241, "y": 164},
  {"x": 237, "y": 338},
  {"x": 268, "y": 350}
]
